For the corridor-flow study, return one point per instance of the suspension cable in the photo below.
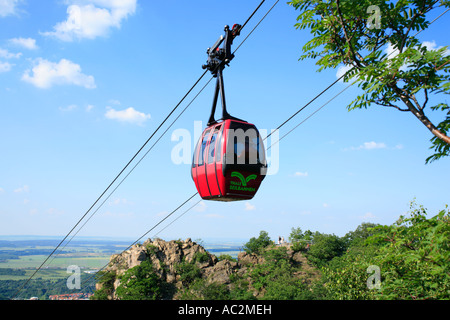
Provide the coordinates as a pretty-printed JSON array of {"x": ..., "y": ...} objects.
[
  {"x": 286, "y": 134},
  {"x": 128, "y": 164}
]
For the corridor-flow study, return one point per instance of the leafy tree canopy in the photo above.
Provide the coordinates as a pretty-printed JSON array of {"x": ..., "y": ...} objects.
[{"x": 376, "y": 40}]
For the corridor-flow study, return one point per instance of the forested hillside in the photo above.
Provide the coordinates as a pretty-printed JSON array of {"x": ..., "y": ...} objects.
[{"x": 406, "y": 260}]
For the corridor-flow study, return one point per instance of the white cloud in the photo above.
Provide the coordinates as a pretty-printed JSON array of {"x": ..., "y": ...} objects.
[
  {"x": 91, "y": 19},
  {"x": 27, "y": 43},
  {"x": 129, "y": 115},
  {"x": 301, "y": 174},
  {"x": 431, "y": 45},
  {"x": 2, "y": 190},
  {"x": 368, "y": 215},
  {"x": 89, "y": 108},
  {"x": 47, "y": 74},
  {"x": 249, "y": 206},
  {"x": 372, "y": 145},
  {"x": 8, "y": 7},
  {"x": 119, "y": 201},
  {"x": 114, "y": 101},
  {"x": 341, "y": 71},
  {"x": 391, "y": 51},
  {"x": 22, "y": 189},
  {"x": 369, "y": 146},
  {"x": 5, "y": 66},
  {"x": 326, "y": 205},
  {"x": 69, "y": 108},
  {"x": 8, "y": 55}
]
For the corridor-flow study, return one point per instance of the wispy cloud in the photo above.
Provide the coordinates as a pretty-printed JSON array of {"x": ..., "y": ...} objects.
[
  {"x": 92, "y": 19},
  {"x": 249, "y": 206},
  {"x": 27, "y": 43},
  {"x": 300, "y": 174},
  {"x": 341, "y": 71},
  {"x": 119, "y": 201},
  {"x": 8, "y": 7},
  {"x": 69, "y": 108},
  {"x": 5, "y": 66},
  {"x": 368, "y": 146},
  {"x": 129, "y": 115},
  {"x": 25, "y": 188},
  {"x": 8, "y": 55},
  {"x": 368, "y": 216},
  {"x": 46, "y": 74}
]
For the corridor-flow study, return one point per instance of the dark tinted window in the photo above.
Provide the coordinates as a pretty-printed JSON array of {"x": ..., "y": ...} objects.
[
  {"x": 201, "y": 157},
  {"x": 213, "y": 145},
  {"x": 244, "y": 144}
]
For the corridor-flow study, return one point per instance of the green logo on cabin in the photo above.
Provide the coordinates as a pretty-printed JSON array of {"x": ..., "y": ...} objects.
[{"x": 242, "y": 186}]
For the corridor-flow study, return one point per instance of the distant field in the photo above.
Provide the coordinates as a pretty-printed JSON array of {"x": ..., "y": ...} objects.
[{"x": 27, "y": 255}]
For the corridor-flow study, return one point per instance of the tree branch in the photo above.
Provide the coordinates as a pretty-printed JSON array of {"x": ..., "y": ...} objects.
[
  {"x": 348, "y": 39},
  {"x": 419, "y": 114},
  {"x": 390, "y": 105},
  {"x": 426, "y": 99}
]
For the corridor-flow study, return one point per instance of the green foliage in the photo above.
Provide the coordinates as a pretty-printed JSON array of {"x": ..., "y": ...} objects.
[
  {"x": 412, "y": 255},
  {"x": 415, "y": 257},
  {"x": 200, "y": 289},
  {"x": 359, "y": 236},
  {"x": 300, "y": 240},
  {"x": 345, "y": 277},
  {"x": 256, "y": 245},
  {"x": 226, "y": 257},
  {"x": 406, "y": 80},
  {"x": 325, "y": 247},
  {"x": 106, "y": 280},
  {"x": 140, "y": 283},
  {"x": 188, "y": 272}
]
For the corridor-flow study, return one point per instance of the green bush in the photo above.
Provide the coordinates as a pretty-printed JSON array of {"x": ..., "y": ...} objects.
[
  {"x": 256, "y": 245},
  {"x": 140, "y": 283}
]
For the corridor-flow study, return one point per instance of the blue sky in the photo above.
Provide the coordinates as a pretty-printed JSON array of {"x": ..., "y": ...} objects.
[{"x": 83, "y": 84}]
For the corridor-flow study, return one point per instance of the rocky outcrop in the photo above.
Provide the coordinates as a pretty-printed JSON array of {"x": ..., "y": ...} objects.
[{"x": 166, "y": 257}]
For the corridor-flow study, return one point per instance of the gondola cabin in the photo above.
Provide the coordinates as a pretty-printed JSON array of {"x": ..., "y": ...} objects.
[{"x": 229, "y": 161}]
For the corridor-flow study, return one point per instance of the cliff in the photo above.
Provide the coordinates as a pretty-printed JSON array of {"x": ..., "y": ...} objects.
[{"x": 176, "y": 265}]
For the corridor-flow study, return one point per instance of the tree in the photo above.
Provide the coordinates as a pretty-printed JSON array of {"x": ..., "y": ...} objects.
[
  {"x": 140, "y": 283},
  {"x": 415, "y": 258},
  {"x": 255, "y": 245},
  {"x": 344, "y": 35},
  {"x": 325, "y": 248},
  {"x": 299, "y": 239}
]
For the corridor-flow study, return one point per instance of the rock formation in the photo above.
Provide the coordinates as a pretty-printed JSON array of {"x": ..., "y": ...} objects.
[{"x": 166, "y": 256}]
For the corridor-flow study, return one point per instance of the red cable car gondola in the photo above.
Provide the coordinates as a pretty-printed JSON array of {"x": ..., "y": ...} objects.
[{"x": 229, "y": 160}]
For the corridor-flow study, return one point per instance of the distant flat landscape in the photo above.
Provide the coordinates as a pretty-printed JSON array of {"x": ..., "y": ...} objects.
[
  {"x": 26, "y": 253},
  {"x": 20, "y": 256}
]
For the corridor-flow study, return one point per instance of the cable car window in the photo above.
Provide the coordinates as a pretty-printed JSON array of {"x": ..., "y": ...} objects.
[
  {"x": 212, "y": 145},
  {"x": 243, "y": 144},
  {"x": 201, "y": 156},
  {"x": 194, "y": 157},
  {"x": 219, "y": 146}
]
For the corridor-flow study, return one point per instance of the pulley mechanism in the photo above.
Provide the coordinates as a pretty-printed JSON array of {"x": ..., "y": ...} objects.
[{"x": 218, "y": 58}]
